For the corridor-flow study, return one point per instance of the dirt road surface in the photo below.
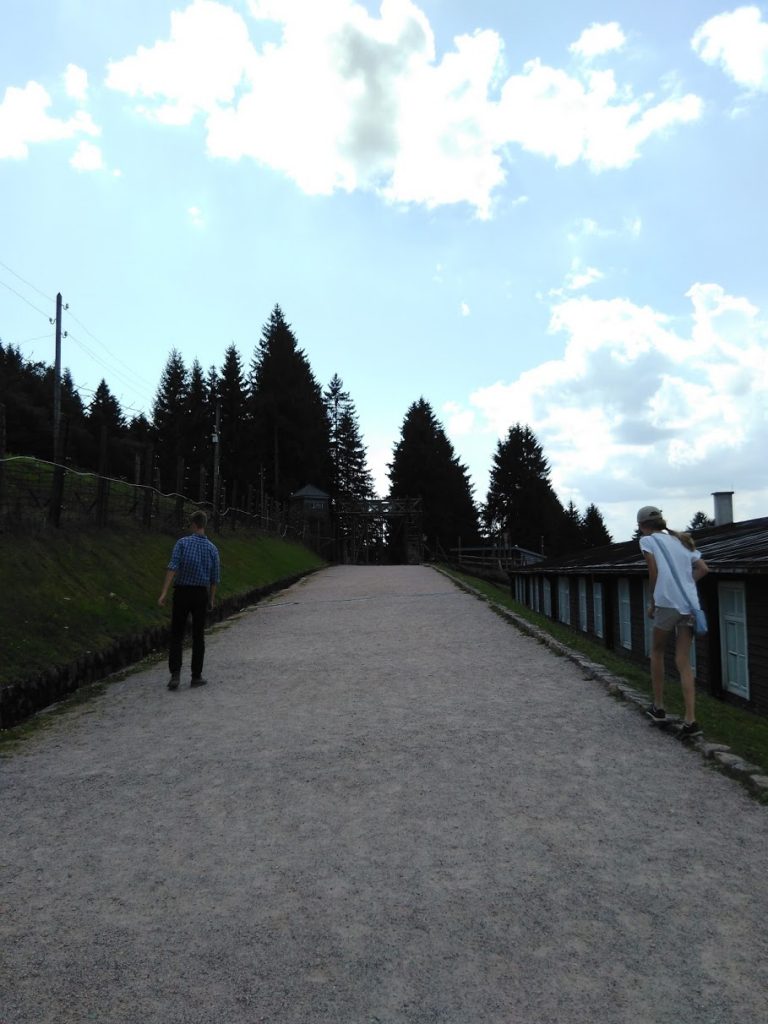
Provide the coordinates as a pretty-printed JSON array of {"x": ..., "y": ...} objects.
[{"x": 387, "y": 807}]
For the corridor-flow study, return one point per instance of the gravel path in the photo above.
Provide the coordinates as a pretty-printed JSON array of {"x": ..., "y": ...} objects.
[{"x": 387, "y": 806}]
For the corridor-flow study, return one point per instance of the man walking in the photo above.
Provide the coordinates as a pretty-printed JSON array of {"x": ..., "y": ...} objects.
[{"x": 195, "y": 572}]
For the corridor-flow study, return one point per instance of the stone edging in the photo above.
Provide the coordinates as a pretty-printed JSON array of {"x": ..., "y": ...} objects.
[
  {"x": 719, "y": 754},
  {"x": 21, "y": 699}
]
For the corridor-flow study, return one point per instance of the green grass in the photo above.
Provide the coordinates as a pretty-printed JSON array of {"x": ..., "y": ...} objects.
[
  {"x": 65, "y": 593},
  {"x": 745, "y": 733}
]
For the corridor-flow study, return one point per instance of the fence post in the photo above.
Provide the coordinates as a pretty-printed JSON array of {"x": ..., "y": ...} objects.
[
  {"x": 234, "y": 499},
  {"x": 203, "y": 485},
  {"x": 2, "y": 451},
  {"x": 57, "y": 483},
  {"x": 180, "y": 491},
  {"x": 147, "y": 515},
  {"x": 102, "y": 486}
]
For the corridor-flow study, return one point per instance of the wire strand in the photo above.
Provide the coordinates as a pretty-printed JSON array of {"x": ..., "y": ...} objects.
[
  {"x": 106, "y": 348},
  {"x": 24, "y": 299},
  {"x": 27, "y": 283}
]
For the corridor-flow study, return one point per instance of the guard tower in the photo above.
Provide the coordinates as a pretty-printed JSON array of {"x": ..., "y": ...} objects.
[
  {"x": 311, "y": 503},
  {"x": 391, "y": 523}
]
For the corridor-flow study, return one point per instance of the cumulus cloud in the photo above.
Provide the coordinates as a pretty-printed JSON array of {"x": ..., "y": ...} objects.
[
  {"x": 24, "y": 120},
  {"x": 738, "y": 42},
  {"x": 464, "y": 309},
  {"x": 347, "y": 100},
  {"x": 76, "y": 82},
  {"x": 195, "y": 215},
  {"x": 590, "y": 118},
  {"x": 579, "y": 277},
  {"x": 635, "y": 405},
  {"x": 599, "y": 39},
  {"x": 87, "y": 157},
  {"x": 199, "y": 67}
]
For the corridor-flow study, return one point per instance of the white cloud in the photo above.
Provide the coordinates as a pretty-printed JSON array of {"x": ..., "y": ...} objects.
[
  {"x": 599, "y": 39},
  {"x": 634, "y": 408},
  {"x": 579, "y": 277},
  {"x": 460, "y": 421},
  {"x": 347, "y": 100},
  {"x": 587, "y": 228},
  {"x": 76, "y": 82},
  {"x": 738, "y": 41},
  {"x": 24, "y": 120},
  {"x": 87, "y": 157},
  {"x": 464, "y": 309},
  {"x": 570, "y": 118},
  {"x": 200, "y": 66},
  {"x": 195, "y": 215}
]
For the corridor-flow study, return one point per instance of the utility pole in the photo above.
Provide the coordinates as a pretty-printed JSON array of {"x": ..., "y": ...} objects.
[
  {"x": 216, "y": 449},
  {"x": 57, "y": 379}
]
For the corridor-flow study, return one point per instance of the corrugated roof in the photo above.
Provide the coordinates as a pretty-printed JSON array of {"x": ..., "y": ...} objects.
[{"x": 736, "y": 547}]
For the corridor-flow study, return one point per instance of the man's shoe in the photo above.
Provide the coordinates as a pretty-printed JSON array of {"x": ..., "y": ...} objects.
[
  {"x": 656, "y": 714},
  {"x": 197, "y": 681},
  {"x": 173, "y": 682},
  {"x": 688, "y": 730}
]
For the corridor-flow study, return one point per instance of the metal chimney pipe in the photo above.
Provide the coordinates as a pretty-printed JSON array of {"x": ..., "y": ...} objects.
[{"x": 723, "y": 507}]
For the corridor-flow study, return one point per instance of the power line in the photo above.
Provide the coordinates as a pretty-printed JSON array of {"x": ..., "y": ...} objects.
[
  {"x": 27, "y": 283},
  {"x": 23, "y": 299},
  {"x": 90, "y": 391},
  {"x": 100, "y": 362},
  {"x": 40, "y": 337},
  {"x": 76, "y": 319},
  {"x": 106, "y": 349}
]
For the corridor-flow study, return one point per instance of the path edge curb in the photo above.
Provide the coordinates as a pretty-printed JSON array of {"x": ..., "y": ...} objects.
[{"x": 718, "y": 755}]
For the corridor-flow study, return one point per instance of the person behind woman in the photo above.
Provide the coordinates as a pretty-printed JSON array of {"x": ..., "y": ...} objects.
[{"x": 670, "y": 609}]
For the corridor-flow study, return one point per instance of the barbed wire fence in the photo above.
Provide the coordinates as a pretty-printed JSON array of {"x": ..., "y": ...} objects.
[{"x": 36, "y": 495}]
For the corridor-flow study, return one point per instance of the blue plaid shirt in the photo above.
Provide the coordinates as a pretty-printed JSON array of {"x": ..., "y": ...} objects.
[{"x": 196, "y": 562}]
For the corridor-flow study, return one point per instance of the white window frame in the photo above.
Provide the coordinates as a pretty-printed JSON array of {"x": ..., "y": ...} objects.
[
  {"x": 583, "y": 616},
  {"x": 564, "y": 600},
  {"x": 734, "y": 663},
  {"x": 547, "y": 597},
  {"x": 625, "y": 613},
  {"x": 598, "y": 607}
]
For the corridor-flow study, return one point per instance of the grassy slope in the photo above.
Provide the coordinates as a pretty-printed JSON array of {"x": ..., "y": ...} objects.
[
  {"x": 745, "y": 733},
  {"x": 66, "y": 593}
]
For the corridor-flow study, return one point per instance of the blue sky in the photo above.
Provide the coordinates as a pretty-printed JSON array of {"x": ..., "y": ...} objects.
[{"x": 549, "y": 213}]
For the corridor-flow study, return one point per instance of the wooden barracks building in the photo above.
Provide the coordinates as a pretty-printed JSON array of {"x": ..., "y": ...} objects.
[{"x": 603, "y": 593}]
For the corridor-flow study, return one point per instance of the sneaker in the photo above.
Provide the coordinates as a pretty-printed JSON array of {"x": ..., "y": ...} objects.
[
  {"x": 197, "y": 681},
  {"x": 688, "y": 730},
  {"x": 656, "y": 714},
  {"x": 173, "y": 682}
]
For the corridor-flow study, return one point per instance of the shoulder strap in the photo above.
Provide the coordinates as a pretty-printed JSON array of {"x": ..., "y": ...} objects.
[{"x": 673, "y": 570}]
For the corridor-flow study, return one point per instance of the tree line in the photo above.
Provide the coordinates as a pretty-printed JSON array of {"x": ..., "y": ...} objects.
[{"x": 278, "y": 430}]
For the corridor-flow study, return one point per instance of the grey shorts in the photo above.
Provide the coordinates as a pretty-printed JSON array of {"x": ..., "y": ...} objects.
[{"x": 668, "y": 618}]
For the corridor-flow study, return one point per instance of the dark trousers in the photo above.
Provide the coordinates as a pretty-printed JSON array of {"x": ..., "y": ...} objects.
[{"x": 188, "y": 601}]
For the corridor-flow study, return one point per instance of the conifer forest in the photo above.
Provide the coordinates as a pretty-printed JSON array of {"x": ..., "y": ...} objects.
[{"x": 279, "y": 429}]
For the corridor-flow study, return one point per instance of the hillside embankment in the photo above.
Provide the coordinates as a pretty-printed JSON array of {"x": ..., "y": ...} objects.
[{"x": 75, "y": 606}]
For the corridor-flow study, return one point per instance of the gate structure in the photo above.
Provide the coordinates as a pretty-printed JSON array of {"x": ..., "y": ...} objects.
[{"x": 379, "y": 529}]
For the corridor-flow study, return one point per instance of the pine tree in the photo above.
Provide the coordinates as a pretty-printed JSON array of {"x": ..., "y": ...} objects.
[
  {"x": 104, "y": 412},
  {"x": 168, "y": 419},
  {"x": 198, "y": 430},
  {"x": 424, "y": 465},
  {"x": 291, "y": 427},
  {"x": 522, "y": 506},
  {"x": 351, "y": 477},
  {"x": 236, "y": 446},
  {"x": 594, "y": 531},
  {"x": 700, "y": 521},
  {"x": 571, "y": 533}
]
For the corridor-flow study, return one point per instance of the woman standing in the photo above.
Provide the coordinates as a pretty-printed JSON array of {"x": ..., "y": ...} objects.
[{"x": 671, "y": 607}]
